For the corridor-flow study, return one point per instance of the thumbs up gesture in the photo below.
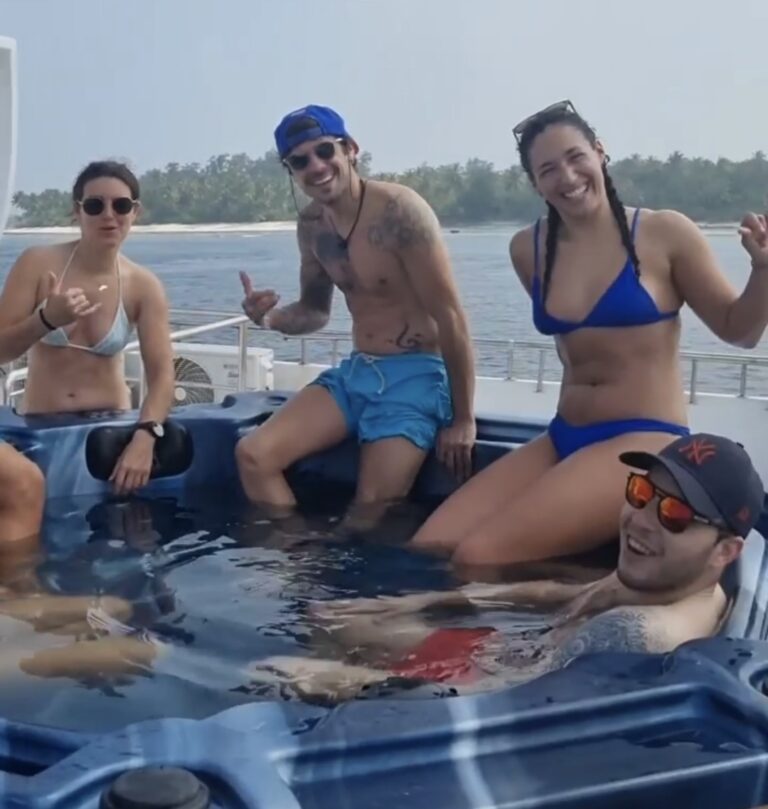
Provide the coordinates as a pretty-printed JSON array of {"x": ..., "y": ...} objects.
[{"x": 256, "y": 303}]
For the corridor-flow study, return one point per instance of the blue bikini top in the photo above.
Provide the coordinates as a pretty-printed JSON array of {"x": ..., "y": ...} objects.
[{"x": 625, "y": 303}]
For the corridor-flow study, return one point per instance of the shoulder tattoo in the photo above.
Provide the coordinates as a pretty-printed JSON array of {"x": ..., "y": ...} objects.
[
  {"x": 619, "y": 630},
  {"x": 404, "y": 223}
]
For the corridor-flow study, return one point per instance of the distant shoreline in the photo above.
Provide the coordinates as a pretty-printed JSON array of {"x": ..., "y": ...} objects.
[
  {"x": 271, "y": 227},
  {"x": 214, "y": 227}
]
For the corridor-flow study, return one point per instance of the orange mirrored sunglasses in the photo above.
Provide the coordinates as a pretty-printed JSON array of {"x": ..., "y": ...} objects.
[{"x": 674, "y": 515}]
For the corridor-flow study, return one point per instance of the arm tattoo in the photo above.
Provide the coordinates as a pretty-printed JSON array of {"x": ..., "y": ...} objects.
[
  {"x": 305, "y": 227},
  {"x": 316, "y": 294},
  {"x": 619, "y": 630},
  {"x": 310, "y": 313},
  {"x": 403, "y": 224},
  {"x": 299, "y": 317},
  {"x": 328, "y": 247}
]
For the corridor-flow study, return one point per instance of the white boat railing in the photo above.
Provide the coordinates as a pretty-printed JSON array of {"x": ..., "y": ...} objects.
[
  {"x": 14, "y": 377},
  {"x": 241, "y": 321},
  {"x": 511, "y": 350},
  {"x": 544, "y": 350}
]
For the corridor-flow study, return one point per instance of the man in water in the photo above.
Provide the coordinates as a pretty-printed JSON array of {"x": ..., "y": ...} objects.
[
  {"x": 686, "y": 517},
  {"x": 408, "y": 385}
]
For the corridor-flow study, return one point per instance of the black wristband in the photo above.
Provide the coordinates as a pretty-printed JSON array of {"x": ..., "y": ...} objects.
[{"x": 48, "y": 325}]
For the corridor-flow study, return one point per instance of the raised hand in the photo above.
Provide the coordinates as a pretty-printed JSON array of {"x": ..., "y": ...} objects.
[
  {"x": 754, "y": 238},
  {"x": 65, "y": 307}
]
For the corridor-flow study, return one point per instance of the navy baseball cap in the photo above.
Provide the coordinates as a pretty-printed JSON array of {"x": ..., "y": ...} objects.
[
  {"x": 326, "y": 123},
  {"x": 715, "y": 476}
]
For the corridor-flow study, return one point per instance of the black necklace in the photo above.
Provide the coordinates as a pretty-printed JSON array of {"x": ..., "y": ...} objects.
[{"x": 340, "y": 240}]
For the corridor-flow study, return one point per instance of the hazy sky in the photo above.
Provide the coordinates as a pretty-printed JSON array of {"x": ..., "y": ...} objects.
[{"x": 432, "y": 81}]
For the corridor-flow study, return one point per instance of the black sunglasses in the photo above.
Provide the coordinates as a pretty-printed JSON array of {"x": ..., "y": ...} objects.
[
  {"x": 559, "y": 106},
  {"x": 93, "y": 206},
  {"x": 323, "y": 151}
]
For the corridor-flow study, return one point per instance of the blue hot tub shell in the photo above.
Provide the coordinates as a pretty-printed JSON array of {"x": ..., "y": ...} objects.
[{"x": 689, "y": 728}]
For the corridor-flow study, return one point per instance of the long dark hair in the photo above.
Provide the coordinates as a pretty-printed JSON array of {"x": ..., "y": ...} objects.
[{"x": 567, "y": 117}]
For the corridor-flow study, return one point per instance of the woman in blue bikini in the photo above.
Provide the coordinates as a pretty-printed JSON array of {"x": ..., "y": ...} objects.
[
  {"x": 72, "y": 308},
  {"x": 617, "y": 336}
]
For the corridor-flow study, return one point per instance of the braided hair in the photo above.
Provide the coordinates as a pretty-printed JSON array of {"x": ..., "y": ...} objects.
[{"x": 569, "y": 118}]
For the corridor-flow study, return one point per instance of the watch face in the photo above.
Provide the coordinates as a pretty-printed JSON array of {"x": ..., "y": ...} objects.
[{"x": 158, "y": 430}]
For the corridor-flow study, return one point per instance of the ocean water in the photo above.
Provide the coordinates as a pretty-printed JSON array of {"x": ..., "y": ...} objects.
[{"x": 200, "y": 271}]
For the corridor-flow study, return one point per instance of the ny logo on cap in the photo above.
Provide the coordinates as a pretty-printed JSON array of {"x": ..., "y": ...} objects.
[{"x": 698, "y": 450}]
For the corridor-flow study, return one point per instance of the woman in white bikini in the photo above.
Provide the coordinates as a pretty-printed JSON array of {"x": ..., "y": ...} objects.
[{"x": 73, "y": 308}]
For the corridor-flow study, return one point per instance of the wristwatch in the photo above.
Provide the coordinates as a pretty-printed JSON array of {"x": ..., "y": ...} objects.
[{"x": 152, "y": 427}]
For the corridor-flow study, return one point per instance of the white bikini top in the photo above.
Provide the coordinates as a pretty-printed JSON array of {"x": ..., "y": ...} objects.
[{"x": 119, "y": 334}]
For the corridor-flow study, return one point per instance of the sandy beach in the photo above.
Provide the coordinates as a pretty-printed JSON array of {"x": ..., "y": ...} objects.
[{"x": 244, "y": 227}]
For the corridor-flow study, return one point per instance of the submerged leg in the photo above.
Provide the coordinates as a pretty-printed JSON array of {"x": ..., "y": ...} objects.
[
  {"x": 63, "y": 614},
  {"x": 22, "y": 495},
  {"x": 388, "y": 468},
  {"x": 311, "y": 677},
  {"x": 84, "y": 658},
  {"x": 310, "y": 422},
  {"x": 486, "y": 494},
  {"x": 572, "y": 508}
]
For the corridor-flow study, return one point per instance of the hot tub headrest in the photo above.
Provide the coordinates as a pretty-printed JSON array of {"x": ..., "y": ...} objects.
[{"x": 173, "y": 452}]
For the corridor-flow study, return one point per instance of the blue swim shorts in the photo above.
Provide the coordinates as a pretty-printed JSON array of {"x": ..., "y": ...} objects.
[{"x": 391, "y": 395}]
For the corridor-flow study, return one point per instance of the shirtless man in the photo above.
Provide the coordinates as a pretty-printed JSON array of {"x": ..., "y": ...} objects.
[
  {"x": 683, "y": 524},
  {"x": 409, "y": 383},
  {"x": 73, "y": 307}
]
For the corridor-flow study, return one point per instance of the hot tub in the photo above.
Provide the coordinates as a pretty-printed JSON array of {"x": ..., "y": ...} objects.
[{"x": 684, "y": 729}]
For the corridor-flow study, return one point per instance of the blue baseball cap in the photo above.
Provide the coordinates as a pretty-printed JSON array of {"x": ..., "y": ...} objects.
[{"x": 328, "y": 123}]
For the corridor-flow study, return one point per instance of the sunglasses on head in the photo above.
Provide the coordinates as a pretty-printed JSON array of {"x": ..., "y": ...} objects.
[
  {"x": 323, "y": 151},
  {"x": 674, "y": 514},
  {"x": 93, "y": 206},
  {"x": 559, "y": 106}
]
